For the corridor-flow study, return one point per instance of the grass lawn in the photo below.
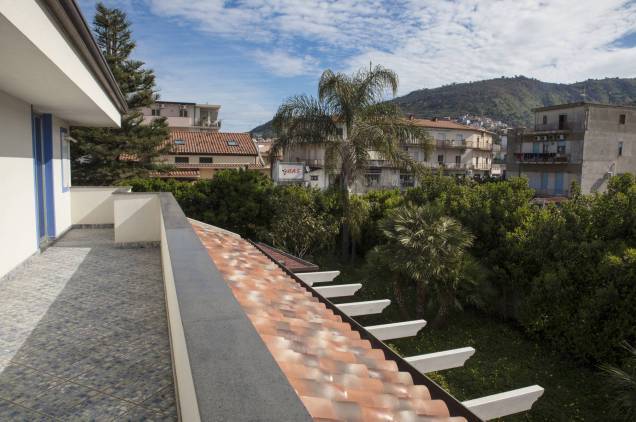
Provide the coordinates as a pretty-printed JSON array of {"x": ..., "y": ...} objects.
[{"x": 505, "y": 359}]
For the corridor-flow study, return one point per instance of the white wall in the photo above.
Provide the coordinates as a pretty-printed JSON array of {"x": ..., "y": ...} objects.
[
  {"x": 137, "y": 217},
  {"x": 17, "y": 207},
  {"x": 62, "y": 199}
]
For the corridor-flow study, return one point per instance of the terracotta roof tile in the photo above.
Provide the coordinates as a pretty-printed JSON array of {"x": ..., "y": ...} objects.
[
  {"x": 336, "y": 374},
  {"x": 177, "y": 174},
  {"x": 218, "y": 165},
  {"x": 214, "y": 143}
]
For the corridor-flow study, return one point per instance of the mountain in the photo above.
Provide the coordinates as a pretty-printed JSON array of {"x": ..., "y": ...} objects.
[
  {"x": 509, "y": 100},
  {"x": 265, "y": 130}
]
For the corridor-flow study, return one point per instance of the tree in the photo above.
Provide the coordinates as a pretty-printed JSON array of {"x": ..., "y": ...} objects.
[
  {"x": 349, "y": 119},
  {"x": 97, "y": 156},
  {"x": 429, "y": 249},
  {"x": 622, "y": 386}
]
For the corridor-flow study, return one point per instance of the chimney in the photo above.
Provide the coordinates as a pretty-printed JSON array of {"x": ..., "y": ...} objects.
[
  {"x": 434, "y": 119},
  {"x": 410, "y": 117}
]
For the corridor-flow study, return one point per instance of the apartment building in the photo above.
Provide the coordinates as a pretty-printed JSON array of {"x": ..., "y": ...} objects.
[
  {"x": 581, "y": 142},
  {"x": 457, "y": 149},
  {"x": 201, "y": 154},
  {"x": 184, "y": 115}
]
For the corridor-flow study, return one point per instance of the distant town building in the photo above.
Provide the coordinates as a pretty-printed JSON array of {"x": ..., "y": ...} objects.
[
  {"x": 182, "y": 115},
  {"x": 457, "y": 149},
  {"x": 581, "y": 142},
  {"x": 200, "y": 154}
]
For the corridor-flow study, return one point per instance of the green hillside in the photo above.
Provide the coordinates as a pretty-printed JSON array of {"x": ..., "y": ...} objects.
[
  {"x": 512, "y": 99},
  {"x": 507, "y": 99}
]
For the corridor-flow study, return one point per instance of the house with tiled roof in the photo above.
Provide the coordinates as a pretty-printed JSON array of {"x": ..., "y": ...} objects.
[{"x": 200, "y": 154}]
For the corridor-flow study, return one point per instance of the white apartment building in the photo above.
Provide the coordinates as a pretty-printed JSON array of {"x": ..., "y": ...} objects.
[
  {"x": 457, "y": 149},
  {"x": 184, "y": 115}
]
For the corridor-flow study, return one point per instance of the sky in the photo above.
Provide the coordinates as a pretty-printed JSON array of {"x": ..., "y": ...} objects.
[{"x": 250, "y": 55}]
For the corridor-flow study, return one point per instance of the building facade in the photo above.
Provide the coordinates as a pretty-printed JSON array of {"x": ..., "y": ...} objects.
[
  {"x": 201, "y": 154},
  {"x": 182, "y": 115},
  {"x": 456, "y": 149},
  {"x": 582, "y": 142},
  {"x": 53, "y": 76}
]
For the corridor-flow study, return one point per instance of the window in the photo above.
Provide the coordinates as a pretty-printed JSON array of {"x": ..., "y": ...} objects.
[
  {"x": 156, "y": 112},
  {"x": 561, "y": 148},
  {"x": 459, "y": 137},
  {"x": 179, "y": 142},
  {"x": 545, "y": 148},
  {"x": 440, "y": 158},
  {"x": 232, "y": 143},
  {"x": 314, "y": 178},
  {"x": 545, "y": 119},
  {"x": 183, "y": 112},
  {"x": 205, "y": 160},
  {"x": 621, "y": 119},
  {"x": 65, "y": 147},
  {"x": 563, "y": 121},
  {"x": 620, "y": 149},
  {"x": 182, "y": 160},
  {"x": 458, "y": 159},
  {"x": 407, "y": 181}
]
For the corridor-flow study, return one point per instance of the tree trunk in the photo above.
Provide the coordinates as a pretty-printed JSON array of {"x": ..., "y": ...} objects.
[
  {"x": 399, "y": 296},
  {"x": 353, "y": 250},
  {"x": 420, "y": 305},
  {"x": 442, "y": 312},
  {"x": 345, "y": 213}
]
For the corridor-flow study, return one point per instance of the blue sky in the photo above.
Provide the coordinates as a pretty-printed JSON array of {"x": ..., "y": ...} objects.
[{"x": 249, "y": 55}]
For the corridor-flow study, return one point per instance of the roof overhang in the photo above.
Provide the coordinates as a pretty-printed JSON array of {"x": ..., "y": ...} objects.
[{"x": 51, "y": 61}]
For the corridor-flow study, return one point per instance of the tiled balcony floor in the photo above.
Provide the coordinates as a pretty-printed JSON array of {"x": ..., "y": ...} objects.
[{"x": 83, "y": 334}]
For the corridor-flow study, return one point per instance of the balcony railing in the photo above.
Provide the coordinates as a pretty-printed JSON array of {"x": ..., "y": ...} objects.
[
  {"x": 480, "y": 166},
  {"x": 553, "y": 127},
  {"x": 496, "y": 148},
  {"x": 542, "y": 158},
  {"x": 479, "y": 145},
  {"x": 450, "y": 143}
]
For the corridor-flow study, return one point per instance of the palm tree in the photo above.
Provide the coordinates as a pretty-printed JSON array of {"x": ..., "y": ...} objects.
[
  {"x": 349, "y": 119},
  {"x": 430, "y": 249},
  {"x": 622, "y": 385}
]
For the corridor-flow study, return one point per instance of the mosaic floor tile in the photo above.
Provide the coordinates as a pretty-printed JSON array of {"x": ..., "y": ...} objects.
[
  {"x": 139, "y": 414},
  {"x": 20, "y": 383},
  {"x": 83, "y": 315},
  {"x": 16, "y": 413}
]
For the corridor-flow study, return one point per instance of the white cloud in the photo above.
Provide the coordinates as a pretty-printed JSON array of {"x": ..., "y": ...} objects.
[
  {"x": 283, "y": 64},
  {"x": 429, "y": 43}
]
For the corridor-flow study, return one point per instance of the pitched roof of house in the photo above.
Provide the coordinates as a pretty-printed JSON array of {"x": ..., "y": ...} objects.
[
  {"x": 212, "y": 143},
  {"x": 444, "y": 124},
  {"x": 251, "y": 166},
  {"x": 178, "y": 174},
  {"x": 337, "y": 375}
]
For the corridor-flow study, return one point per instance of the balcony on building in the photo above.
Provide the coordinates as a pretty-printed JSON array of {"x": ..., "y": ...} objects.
[{"x": 542, "y": 158}]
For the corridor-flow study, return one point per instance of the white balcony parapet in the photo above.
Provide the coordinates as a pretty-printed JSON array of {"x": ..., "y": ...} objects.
[
  {"x": 318, "y": 277},
  {"x": 504, "y": 404},
  {"x": 439, "y": 361},
  {"x": 339, "y": 291},
  {"x": 397, "y": 330},
  {"x": 364, "y": 308}
]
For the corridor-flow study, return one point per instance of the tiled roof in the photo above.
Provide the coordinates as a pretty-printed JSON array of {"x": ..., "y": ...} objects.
[
  {"x": 177, "y": 174},
  {"x": 213, "y": 143},
  {"x": 219, "y": 165},
  {"x": 337, "y": 375},
  {"x": 291, "y": 262},
  {"x": 444, "y": 124}
]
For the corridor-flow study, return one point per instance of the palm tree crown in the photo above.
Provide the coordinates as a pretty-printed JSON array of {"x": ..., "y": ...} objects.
[{"x": 350, "y": 118}]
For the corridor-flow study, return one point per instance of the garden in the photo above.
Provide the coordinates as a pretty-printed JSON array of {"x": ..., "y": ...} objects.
[{"x": 546, "y": 295}]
